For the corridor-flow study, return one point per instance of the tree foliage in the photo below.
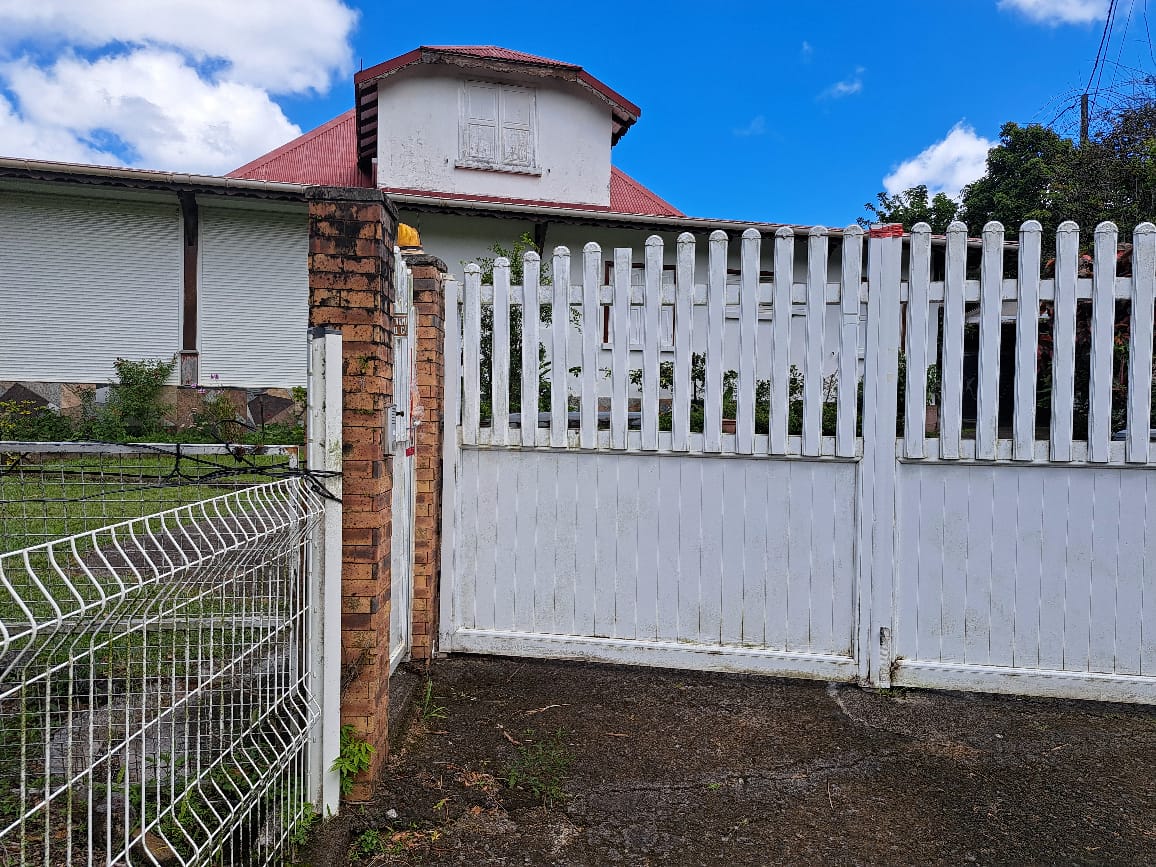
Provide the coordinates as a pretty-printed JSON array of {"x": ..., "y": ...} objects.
[
  {"x": 1034, "y": 173},
  {"x": 912, "y": 206}
]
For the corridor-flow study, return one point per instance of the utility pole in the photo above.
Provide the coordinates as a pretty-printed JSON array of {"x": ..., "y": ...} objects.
[{"x": 1083, "y": 119}]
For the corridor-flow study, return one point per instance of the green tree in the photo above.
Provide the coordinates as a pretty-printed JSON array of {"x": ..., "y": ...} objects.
[
  {"x": 1029, "y": 176},
  {"x": 915, "y": 205}
]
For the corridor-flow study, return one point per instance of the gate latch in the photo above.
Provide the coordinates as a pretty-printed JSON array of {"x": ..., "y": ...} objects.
[{"x": 396, "y": 428}]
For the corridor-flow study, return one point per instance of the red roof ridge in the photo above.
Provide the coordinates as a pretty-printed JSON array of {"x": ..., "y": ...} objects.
[{"x": 498, "y": 52}]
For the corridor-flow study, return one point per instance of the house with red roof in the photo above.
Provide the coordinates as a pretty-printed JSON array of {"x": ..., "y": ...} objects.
[{"x": 478, "y": 145}]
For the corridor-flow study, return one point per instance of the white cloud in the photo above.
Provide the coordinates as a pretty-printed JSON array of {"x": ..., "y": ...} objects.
[
  {"x": 1056, "y": 12},
  {"x": 946, "y": 166},
  {"x": 188, "y": 88},
  {"x": 285, "y": 46},
  {"x": 162, "y": 113},
  {"x": 757, "y": 126},
  {"x": 806, "y": 51},
  {"x": 847, "y": 87}
]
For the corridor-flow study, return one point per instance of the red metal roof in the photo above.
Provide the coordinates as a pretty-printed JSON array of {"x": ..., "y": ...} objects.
[
  {"x": 627, "y": 196},
  {"x": 327, "y": 156}
]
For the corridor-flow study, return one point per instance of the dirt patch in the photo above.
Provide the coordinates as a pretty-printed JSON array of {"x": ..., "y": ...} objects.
[{"x": 666, "y": 767}]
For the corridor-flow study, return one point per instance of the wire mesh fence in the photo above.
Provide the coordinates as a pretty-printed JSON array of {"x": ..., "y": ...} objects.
[
  {"x": 49, "y": 490},
  {"x": 154, "y": 697}
]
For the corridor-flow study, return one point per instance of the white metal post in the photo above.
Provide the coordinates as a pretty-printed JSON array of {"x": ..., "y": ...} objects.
[{"x": 324, "y": 455}]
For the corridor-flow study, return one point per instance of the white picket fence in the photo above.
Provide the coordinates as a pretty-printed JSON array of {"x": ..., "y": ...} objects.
[{"x": 811, "y": 541}]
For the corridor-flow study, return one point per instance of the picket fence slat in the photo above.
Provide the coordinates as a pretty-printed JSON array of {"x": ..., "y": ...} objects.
[
  {"x": 620, "y": 337},
  {"x": 813, "y": 340},
  {"x": 1140, "y": 346},
  {"x": 684, "y": 297},
  {"x": 781, "y": 339},
  {"x": 990, "y": 308},
  {"x": 559, "y": 356},
  {"x": 472, "y": 338},
  {"x": 848, "y": 382},
  {"x": 951, "y": 405},
  {"x": 748, "y": 333},
  {"x": 1064, "y": 341},
  {"x": 717, "y": 278},
  {"x": 591, "y": 339},
  {"x": 1027, "y": 339},
  {"x": 500, "y": 355},
  {"x": 915, "y": 398},
  {"x": 650, "y": 337},
  {"x": 1102, "y": 349},
  {"x": 531, "y": 278}
]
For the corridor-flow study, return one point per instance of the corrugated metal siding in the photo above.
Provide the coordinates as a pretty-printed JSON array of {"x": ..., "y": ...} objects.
[
  {"x": 254, "y": 297},
  {"x": 83, "y": 281}
]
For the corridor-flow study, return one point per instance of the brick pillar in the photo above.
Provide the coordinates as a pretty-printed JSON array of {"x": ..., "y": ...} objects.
[
  {"x": 429, "y": 275},
  {"x": 351, "y": 235}
]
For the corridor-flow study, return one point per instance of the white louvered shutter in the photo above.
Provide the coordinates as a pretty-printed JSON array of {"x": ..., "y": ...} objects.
[
  {"x": 480, "y": 122},
  {"x": 517, "y": 114}
]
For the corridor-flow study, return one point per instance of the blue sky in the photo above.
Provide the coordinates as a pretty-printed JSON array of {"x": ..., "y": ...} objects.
[{"x": 790, "y": 112}]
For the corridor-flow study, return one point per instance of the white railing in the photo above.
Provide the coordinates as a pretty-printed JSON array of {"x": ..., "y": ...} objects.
[
  {"x": 758, "y": 365},
  {"x": 719, "y": 319}
]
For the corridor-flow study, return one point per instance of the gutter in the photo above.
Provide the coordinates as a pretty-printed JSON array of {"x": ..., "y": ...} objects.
[
  {"x": 578, "y": 215},
  {"x": 46, "y": 170},
  {"x": 641, "y": 221}
]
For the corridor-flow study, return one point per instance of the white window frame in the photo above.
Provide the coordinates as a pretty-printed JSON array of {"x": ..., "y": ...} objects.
[{"x": 466, "y": 160}]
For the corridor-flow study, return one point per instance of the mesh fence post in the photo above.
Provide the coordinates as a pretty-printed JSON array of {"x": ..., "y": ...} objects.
[{"x": 324, "y": 456}]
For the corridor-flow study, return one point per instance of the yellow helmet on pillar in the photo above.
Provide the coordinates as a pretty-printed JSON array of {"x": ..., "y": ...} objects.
[{"x": 408, "y": 239}]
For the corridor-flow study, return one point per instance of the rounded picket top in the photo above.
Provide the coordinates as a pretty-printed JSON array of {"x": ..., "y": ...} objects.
[
  {"x": 1068, "y": 227},
  {"x": 654, "y": 241},
  {"x": 561, "y": 251},
  {"x": 817, "y": 232},
  {"x": 1107, "y": 227},
  {"x": 957, "y": 227},
  {"x": 592, "y": 247},
  {"x": 718, "y": 235},
  {"x": 685, "y": 238},
  {"x": 501, "y": 262},
  {"x": 752, "y": 234},
  {"x": 784, "y": 232},
  {"x": 1144, "y": 228},
  {"x": 921, "y": 228},
  {"x": 853, "y": 230},
  {"x": 473, "y": 268},
  {"x": 531, "y": 256},
  {"x": 1031, "y": 226},
  {"x": 992, "y": 227}
]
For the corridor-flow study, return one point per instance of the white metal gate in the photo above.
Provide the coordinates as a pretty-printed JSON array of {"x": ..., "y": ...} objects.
[
  {"x": 402, "y": 436},
  {"x": 734, "y": 492}
]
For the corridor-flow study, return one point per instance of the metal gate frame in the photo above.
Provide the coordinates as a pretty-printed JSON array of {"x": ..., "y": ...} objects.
[{"x": 402, "y": 438}]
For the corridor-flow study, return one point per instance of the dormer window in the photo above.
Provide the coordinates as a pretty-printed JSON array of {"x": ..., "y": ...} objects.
[{"x": 498, "y": 128}]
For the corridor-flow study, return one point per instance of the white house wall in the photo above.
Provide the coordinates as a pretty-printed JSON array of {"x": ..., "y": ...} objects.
[
  {"x": 84, "y": 280},
  {"x": 420, "y": 150},
  {"x": 254, "y": 296}
]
